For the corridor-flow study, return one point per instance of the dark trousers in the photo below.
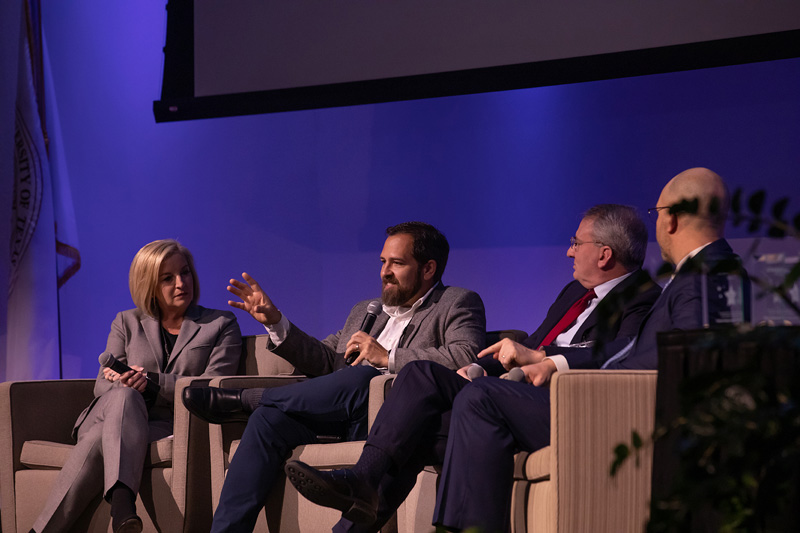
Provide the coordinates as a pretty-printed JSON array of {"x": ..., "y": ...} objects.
[
  {"x": 411, "y": 427},
  {"x": 434, "y": 416},
  {"x": 492, "y": 419},
  {"x": 334, "y": 404}
]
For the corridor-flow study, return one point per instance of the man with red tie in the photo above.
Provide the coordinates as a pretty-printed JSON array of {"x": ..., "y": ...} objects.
[{"x": 606, "y": 302}]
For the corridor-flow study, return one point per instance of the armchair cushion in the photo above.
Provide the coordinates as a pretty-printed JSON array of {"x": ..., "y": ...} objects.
[
  {"x": 534, "y": 466},
  {"x": 47, "y": 454},
  {"x": 258, "y": 360}
]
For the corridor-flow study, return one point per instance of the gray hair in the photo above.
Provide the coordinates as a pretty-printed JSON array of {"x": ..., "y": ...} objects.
[{"x": 622, "y": 229}]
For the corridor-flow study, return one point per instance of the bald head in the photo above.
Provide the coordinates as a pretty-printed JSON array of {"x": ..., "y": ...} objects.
[
  {"x": 703, "y": 201},
  {"x": 708, "y": 189}
]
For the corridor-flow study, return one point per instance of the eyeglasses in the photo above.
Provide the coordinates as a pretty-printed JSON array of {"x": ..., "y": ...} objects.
[
  {"x": 653, "y": 211},
  {"x": 574, "y": 242}
]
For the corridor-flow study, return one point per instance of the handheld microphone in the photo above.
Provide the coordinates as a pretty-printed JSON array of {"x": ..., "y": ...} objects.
[
  {"x": 516, "y": 374},
  {"x": 373, "y": 309},
  {"x": 474, "y": 371},
  {"x": 109, "y": 361}
]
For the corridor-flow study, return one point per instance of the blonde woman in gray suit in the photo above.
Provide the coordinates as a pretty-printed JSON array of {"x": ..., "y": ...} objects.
[{"x": 165, "y": 337}]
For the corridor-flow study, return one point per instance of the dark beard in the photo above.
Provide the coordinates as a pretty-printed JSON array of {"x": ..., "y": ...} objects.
[{"x": 400, "y": 295}]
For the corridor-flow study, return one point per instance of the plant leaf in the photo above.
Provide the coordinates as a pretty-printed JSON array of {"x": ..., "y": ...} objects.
[
  {"x": 665, "y": 269},
  {"x": 777, "y": 228},
  {"x": 621, "y": 453},
  {"x": 685, "y": 206},
  {"x": 779, "y": 207},
  {"x": 736, "y": 201},
  {"x": 636, "y": 439},
  {"x": 776, "y": 232},
  {"x": 736, "y": 207},
  {"x": 756, "y": 202},
  {"x": 792, "y": 277}
]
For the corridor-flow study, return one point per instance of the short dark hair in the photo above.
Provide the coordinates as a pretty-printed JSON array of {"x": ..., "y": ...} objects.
[
  {"x": 429, "y": 244},
  {"x": 622, "y": 229}
]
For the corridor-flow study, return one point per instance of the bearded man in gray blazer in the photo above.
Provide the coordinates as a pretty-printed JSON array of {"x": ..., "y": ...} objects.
[{"x": 419, "y": 318}]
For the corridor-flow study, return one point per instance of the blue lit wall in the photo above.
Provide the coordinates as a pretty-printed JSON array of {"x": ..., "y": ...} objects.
[{"x": 300, "y": 200}]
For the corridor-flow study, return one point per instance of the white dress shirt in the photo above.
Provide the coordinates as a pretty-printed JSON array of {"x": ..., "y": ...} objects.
[
  {"x": 389, "y": 338},
  {"x": 566, "y": 336}
]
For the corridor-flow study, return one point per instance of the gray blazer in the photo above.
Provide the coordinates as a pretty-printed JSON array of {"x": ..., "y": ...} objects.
[
  {"x": 449, "y": 328},
  {"x": 209, "y": 344}
]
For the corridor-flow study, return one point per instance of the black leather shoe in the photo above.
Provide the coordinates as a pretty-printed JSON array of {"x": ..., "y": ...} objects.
[
  {"x": 131, "y": 524},
  {"x": 214, "y": 405},
  {"x": 338, "y": 489}
]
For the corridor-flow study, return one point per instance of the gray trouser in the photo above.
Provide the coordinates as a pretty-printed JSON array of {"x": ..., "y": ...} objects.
[{"x": 112, "y": 442}]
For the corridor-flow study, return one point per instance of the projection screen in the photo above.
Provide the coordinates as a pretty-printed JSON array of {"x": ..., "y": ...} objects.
[{"x": 255, "y": 56}]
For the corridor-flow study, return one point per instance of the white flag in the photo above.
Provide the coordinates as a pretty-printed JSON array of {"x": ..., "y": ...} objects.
[
  {"x": 68, "y": 257},
  {"x": 33, "y": 328}
]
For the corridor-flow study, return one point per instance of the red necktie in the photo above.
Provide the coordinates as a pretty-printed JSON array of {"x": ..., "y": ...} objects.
[{"x": 569, "y": 317}]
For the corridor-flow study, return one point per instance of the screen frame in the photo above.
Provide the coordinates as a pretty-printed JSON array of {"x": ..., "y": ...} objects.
[{"x": 178, "y": 101}]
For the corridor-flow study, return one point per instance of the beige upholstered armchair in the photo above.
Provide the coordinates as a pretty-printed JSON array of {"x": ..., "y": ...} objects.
[
  {"x": 286, "y": 511},
  {"x": 566, "y": 486},
  {"x": 36, "y": 418}
]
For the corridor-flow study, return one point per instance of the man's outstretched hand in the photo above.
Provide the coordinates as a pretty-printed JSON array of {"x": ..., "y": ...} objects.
[
  {"x": 511, "y": 354},
  {"x": 254, "y": 300}
]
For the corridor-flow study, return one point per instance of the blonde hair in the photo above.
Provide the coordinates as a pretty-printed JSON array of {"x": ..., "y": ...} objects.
[{"x": 143, "y": 276}]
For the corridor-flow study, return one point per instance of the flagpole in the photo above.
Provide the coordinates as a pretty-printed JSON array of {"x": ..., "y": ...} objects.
[{"x": 58, "y": 322}]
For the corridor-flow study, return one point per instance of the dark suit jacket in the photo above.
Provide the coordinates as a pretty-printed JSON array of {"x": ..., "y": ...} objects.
[
  {"x": 448, "y": 328},
  {"x": 680, "y": 305},
  {"x": 209, "y": 344},
  {"x": 618, "y": 315}
]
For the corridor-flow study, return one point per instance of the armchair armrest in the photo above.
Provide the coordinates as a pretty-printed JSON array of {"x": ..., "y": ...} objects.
[
  {"x": 378, "y": 389},
  {"x": 190, "y": 463},
  {"x": 251, "y": 382},
  {"x": 591, "y": 412},
  {"x": 221, "y": 436},
  {"x": 35, "y": 410}
]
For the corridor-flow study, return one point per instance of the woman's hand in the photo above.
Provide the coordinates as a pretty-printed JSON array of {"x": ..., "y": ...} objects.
[
  {"x": 110, "y": 375},
  {"x": 134, "y": 378}
]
